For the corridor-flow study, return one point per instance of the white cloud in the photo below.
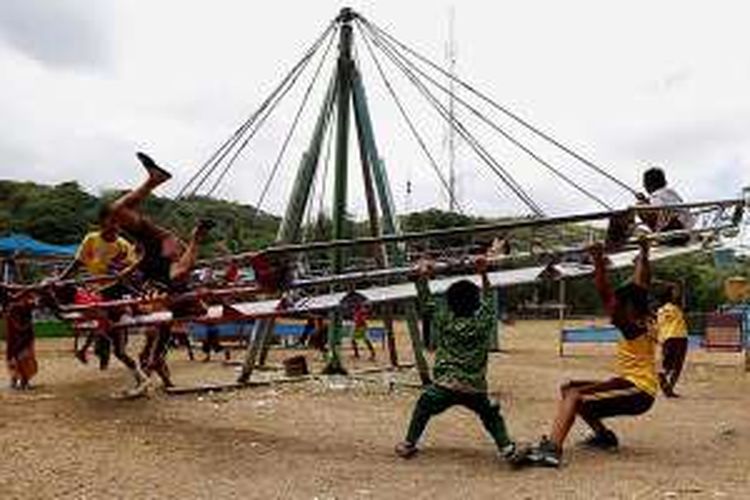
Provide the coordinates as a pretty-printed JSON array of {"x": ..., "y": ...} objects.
[{"x": 85, "y": 84}]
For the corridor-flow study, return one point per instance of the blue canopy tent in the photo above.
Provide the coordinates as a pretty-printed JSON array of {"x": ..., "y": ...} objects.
[
  {"x": 22, "y": 244},
  {"x": 25, "y": 246}
]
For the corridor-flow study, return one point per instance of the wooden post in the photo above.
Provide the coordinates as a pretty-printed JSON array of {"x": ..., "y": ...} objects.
[
  {"x": 416, "y": 344},
  {"x": 260, "y": 330},
  {"x": 561, "y": 317},
  {"x": 494, "y": 340},
  {"x": 390, "y": 336},
  {"x": 267, "y": 342}
]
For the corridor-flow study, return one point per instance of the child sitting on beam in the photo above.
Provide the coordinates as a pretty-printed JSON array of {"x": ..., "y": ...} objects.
[{"x": 659, "y": 194}]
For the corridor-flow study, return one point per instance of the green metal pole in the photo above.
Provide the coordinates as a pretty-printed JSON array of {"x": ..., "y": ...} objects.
[
  {"x": 290, "y": 228},
  {"x": 362, "y": 112},
  {"x": 390, "y": 223},
  {"x": 361, "y": 119},
  {"x": 344, "y": 71}
]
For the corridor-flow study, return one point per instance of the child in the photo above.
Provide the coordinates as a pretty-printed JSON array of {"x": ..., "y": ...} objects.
[
  {"x": 360, "y": 330},
  {"x": 631, "y": 391},
  {"x": 165, "y": 263},
  {"x": 673, "y": 338},
  {"x": 19, "y": 337},
  {"x": 460, "y": 370},
  {"x": 659, "y": 194},
  {"x": 105, "y": 253}
]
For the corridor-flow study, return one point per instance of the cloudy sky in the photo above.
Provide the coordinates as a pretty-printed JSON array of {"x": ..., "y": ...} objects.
[{"x": 87, "y": 83}]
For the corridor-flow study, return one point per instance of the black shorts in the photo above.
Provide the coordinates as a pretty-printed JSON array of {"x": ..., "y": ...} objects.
[
  {"x": 611, "y": 398},
  {"x": 153, "y": 266},
  {"x": 116, "y": 291}
]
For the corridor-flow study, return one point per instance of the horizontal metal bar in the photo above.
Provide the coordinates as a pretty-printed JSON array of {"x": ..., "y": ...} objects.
[{"x": 503, "y": 226}]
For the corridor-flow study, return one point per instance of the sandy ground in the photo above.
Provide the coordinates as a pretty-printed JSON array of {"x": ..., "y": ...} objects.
[{"x": 330, "y": 439}]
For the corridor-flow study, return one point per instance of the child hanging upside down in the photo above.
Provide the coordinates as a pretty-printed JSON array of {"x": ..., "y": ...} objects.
[
  {"x": 631, "y": 391},
  {"x": 460, "y": 370},
  {"x": 165, "y": 261}
]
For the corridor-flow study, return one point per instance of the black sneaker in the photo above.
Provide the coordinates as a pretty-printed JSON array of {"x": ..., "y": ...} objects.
[
  {"x": 508, "y": 451},
  {"x": 546, "y": 454},
  {"x": 154, "y": 170},
  {"x": 406, "y": 449},
  {"x": 602, "y": 441},
  {"x": 516, "y": 455}
]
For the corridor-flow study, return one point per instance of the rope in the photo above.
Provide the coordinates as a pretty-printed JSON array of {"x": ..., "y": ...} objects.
[
  {"x": 457, "y": 125},
  {"x": 293, "y": 127},
  {"x": 239, "y": 150},
  {"x": 503, "y": 109},
  {"x": 484, "y": 155},
  {"x": 407, "y": 119},
  {"x": 500, "y": 130},
  {"x": 213, "y": 162},
  {"x": 317, "y": 193}
]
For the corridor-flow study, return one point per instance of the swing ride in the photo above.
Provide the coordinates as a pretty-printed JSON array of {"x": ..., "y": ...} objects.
[{"x": 288, "y": 283}]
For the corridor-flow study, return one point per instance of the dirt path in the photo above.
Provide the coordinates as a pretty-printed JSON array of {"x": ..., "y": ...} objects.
[{"x": 70, "y": 439}]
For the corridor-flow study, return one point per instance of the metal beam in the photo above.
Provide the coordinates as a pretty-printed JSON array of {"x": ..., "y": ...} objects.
[
  {"x": 390, "y": 222},
  {"x": 290, "y": 228},
  {"x": 503, "y": 226}
]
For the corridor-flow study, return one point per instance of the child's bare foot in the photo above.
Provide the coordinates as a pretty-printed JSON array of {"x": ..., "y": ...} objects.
[{"x": 157, "y": 174}]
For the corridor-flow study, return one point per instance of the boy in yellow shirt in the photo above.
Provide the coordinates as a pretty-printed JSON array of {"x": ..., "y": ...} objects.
[
  {"x": 106, "y": 253},
  {"x": 673, "y": 336},
  {"x": 631, "y": 391}
]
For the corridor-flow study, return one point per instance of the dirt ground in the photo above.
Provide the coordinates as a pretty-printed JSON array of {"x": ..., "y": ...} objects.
[{"x": 330, "y": 439}]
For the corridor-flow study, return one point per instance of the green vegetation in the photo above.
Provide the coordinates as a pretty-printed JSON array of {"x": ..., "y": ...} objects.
[{"x": 62, "y": 214}]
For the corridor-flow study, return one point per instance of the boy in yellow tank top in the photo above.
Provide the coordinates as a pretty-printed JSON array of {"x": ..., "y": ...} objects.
[
  {"x": 633, "y": 388},
  {"x": 673, "y": 336}
]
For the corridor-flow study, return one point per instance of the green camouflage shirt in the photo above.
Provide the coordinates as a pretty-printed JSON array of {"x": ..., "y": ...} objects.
[{"x": 463, "y": 343}]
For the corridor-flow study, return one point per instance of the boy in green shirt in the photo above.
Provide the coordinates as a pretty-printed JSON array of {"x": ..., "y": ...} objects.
[{"x": 460, "y": 372}]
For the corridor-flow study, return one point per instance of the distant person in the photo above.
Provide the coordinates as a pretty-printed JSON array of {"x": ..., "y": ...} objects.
[
  {"x": 460, "y": 361},
  {"x": 19, "y": 337},
  {"x": 359, "y": 334},
  {"x": 631, "y": 391},
  {"x": 673, "y": 336},
  {"x": 659, "y": 194},
  {"x": 212, "y": 343}
]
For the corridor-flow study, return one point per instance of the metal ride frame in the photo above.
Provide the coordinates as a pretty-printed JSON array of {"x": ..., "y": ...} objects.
[
  {"x": 346, "y": 93},
  {"x": 345, "y": 89}
]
